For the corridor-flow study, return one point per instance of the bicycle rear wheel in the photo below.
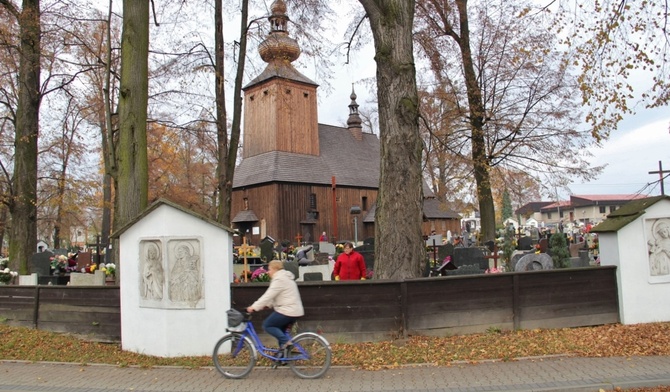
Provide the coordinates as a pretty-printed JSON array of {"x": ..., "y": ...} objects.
[
  {"x": 233, "y": 356},
  {"x": 312, "y": 356}
]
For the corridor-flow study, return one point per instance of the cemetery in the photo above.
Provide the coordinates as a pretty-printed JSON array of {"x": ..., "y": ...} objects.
[{"x": 447, "y": 303}]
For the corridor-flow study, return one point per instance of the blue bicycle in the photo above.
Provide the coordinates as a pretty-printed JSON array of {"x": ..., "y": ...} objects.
[{"x": 236, "y": 353}]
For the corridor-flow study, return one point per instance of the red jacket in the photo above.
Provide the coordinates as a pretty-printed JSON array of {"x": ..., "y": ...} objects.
[{"x": 350, "y": 266}]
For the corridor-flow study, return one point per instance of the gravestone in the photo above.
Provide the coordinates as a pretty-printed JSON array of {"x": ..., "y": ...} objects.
[
  {"x": 83, "y": 259},
  {"x": 534, "y": 262},
  {"x": 544, "y": 245},
  {"x": 434, "y": 240},
  {"x": 324, "y": 270},
  {"x": 321, "y": 259},
  {"x": 327, "y": 247},
  {"x": 40, "y": 263},
  {"x": 28, "y": 280},
  {"x": 470, "y": 256},
  {"x": 516, "y": 256},
  {"x": 584, "y": 256},
  {"x": 534, "y": 234},
  {"x": 59, "y": 252},
  {"x": 313, "y": 276},
  {"x": 577, "y": 262},
  {"x": 97, "y": 278},
  {"x": 267, "y": 249},
  {"x": 525, "y": 243},
  {"x": 575, "y": 248},
  {"x": 445, "y": 250}
]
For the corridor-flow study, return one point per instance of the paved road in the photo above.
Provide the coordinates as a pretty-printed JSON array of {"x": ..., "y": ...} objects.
[{"x": 545, "y": 374}]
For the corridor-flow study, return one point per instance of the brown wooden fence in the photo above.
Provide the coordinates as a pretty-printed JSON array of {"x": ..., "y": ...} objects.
[{"x": 365, "y": 310}]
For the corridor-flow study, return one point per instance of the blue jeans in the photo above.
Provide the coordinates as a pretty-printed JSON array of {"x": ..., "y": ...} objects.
[{"x": 276, "y": 324}]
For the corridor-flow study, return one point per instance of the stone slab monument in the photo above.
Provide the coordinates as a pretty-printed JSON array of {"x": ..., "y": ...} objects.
[
  {"x": 176, "y": 269},
  {"x": 534, "y": 262}
]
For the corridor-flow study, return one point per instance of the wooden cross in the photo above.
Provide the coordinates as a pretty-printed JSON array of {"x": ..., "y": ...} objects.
[
  {"x": 244, "y": 249},
  {"x": 298, "y": 237},
  {"x": 494, "y": 255}
]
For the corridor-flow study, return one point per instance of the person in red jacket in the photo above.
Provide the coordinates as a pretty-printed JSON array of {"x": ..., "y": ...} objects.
[{"x": 349, "y": 265}]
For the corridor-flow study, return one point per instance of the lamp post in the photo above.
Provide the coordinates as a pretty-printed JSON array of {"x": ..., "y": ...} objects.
[{"x": 355, "y": 211}]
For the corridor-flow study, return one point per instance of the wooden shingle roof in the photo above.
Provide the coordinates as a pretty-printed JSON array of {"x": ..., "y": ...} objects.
[{"x": 350, "y": 161}]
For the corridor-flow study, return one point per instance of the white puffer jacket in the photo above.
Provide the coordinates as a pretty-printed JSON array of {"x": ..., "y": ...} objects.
[{"x": 282, "y": 295}]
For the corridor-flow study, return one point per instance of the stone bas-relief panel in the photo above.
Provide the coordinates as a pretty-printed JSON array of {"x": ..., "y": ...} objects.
[
  {"x": 171, "y": 273},
  {"x": 658, "y": 247},
  {"x": 185, "y": 283},
  {"x": 152, "y": 277}
]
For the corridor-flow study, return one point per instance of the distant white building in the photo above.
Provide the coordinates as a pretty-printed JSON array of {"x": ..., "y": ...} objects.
[{"x": 579, "y": 209}]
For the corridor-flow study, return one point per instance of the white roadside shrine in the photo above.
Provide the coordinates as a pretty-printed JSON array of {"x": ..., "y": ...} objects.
[
  {"x": 175, "y": 274},
  {"x": 636, "y": 239}
]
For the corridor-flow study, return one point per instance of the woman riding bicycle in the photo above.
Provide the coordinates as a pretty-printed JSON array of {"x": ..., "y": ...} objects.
[{"x": 282, "y": 296}]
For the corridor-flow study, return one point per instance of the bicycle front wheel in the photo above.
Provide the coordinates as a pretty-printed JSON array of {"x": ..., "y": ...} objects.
[
  {"x": 233, "y": 356},
  {"x": 310, "y": 356}
]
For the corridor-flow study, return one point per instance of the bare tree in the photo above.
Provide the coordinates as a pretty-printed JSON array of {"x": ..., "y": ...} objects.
[{"x": 514, "y": 94}]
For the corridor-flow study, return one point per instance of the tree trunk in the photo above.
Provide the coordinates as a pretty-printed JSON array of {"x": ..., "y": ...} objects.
[
  {"x": 132, "y": 182},
  {"x": 228, "y": 148},
  {"x": 108, "y": 148},
  {"x": 23, "y": 206},
  {"x": 399, "y": 249},
  {"x": 132, "y": 149},
  {"x": 479, "y": 157}
]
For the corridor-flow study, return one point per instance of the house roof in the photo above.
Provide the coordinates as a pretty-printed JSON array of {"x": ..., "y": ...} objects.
[
  {"x": 161, "y": 202},
  {"x": 529, "y": 208},
  {"x": 245, "y": 216},
  {"x": 582, "y": 200},
  {"x": 431, "y": 210},
  {"x": 352, "y": 162},
  {"x": 552, "y": 205},
  {"x": 627, "y": 214}
]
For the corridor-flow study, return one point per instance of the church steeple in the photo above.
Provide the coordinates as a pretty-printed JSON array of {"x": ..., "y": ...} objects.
[
  {"x": 280, "y": 108},
  {"x": 354, "y": 123}
]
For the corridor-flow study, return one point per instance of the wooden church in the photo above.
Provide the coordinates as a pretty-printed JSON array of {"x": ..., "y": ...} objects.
[{"x": 299, "y": 178}]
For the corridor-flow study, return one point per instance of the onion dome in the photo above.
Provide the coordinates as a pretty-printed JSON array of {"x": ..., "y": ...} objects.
[{"x": 278, "y": 45}]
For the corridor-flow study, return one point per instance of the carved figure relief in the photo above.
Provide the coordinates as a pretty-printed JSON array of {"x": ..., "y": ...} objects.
[
  {"x": 185, "y": 283},
  {"x": 152, "y": 277},
  {"x": 659, "y": 247}
]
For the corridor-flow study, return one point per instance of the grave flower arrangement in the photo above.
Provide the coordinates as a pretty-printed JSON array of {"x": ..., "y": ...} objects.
[
  {"x": 109, "y": 269},
  {"x": 59, "y": 263},
  {"x": 6, "y": 275},
  {"x": 260, "y": 275}
]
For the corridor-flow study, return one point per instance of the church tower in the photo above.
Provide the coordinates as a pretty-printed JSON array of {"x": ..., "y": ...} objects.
[{"x": 280, "y": 106}]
